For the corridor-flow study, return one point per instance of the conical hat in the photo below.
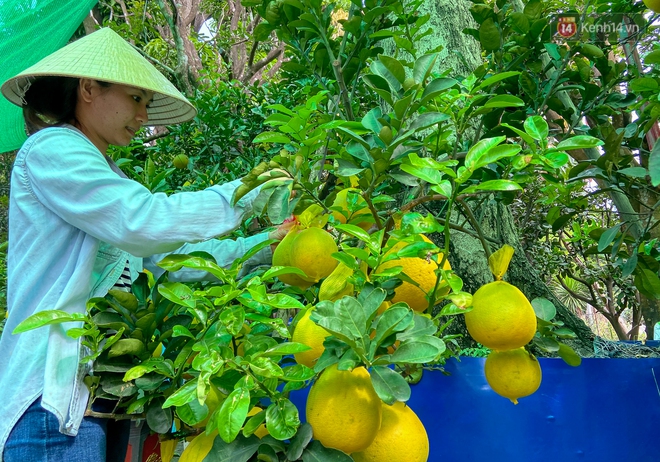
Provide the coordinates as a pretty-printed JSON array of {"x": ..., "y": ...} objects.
[{"x": 104, "y": 55}]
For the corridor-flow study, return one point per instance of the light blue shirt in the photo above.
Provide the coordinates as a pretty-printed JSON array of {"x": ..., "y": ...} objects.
[{"x": 73, "y": 223}]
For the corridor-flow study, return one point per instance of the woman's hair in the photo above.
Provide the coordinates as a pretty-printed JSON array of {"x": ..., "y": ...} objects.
[{"x": 51, "y": 101}]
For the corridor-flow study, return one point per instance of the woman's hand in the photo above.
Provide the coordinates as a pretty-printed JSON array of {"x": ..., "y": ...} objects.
[{"x": 281, "y": 231}]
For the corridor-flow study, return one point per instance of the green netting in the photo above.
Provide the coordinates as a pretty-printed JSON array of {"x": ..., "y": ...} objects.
[{"x": 30, "y": 30}]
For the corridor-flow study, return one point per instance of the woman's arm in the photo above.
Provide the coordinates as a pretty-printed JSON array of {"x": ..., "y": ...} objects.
[{"x": 69, "y": 176}]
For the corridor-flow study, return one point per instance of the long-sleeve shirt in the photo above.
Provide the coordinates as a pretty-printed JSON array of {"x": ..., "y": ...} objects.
[{"x": 73, "y": 224}]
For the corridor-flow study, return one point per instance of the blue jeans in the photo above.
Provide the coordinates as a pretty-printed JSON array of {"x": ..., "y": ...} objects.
[{"x": 36, "y": 438}]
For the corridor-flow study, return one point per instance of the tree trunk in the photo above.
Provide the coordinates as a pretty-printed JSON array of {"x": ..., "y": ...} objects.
[
  {"x": 462, "y": 54},
  {"x": 468, "y": 259}
]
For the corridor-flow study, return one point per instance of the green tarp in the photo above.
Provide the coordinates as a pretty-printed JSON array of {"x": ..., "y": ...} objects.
[{"x": 30, "y": 30}]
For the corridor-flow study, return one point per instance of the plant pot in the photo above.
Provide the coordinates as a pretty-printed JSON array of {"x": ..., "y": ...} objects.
[{"x": 605, "y": 410}]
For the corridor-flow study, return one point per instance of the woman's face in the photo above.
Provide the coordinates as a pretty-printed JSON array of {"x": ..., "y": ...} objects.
[{"x": 111, "y": 114}]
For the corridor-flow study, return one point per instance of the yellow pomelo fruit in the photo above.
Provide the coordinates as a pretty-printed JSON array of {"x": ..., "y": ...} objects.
[
  {"x": 213, "y": 400},
  {"x": 653, "y": 5},
  {"x": 344, "y": 409},
  {"x": 513, "y": 374},
  {"x": 311, "y": 334},
  {"x": 198, "y": 448},
  {"x": 401, "y": 438},
  {"x": 501, "y": 318},
  {"x": 261, "y": 430},
  {"x": 419, "y": 270},
  {"x": 311, "y": 251},
  {"x": 282, "y": 257},
  {"x": 341, "y": 200}
]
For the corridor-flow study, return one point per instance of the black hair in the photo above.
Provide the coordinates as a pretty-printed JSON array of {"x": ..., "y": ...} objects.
[{"x": 51, "y": 101}]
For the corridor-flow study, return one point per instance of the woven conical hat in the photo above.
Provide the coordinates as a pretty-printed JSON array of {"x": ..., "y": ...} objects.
[{"x": 104, "y": 55}]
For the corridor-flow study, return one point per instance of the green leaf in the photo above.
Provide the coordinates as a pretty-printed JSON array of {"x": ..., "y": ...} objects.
[
  {"x": 232, "y": 414},
  {"x": 435, "y": 87},
  {"x": 266, "y": 367},
  {"x": 544, "y": 309},
  {"x": 298, "y": 443},
  {"x": 178, "y": 293},
  {"x": 286, "y": 348},
  {"x": 370, "y": 120},
  {"x": 389, "y": 385},
  {"x": 183, "y": 395},
  {"x": 428, "y": 119},
  {"x": 504, "y": 101},
  {"x": 608, "y": 236},
  {"x": 493, "y": 185},
  {"x": 533, "y": 9},
  {"x": 424, "y": 66},
  {"x": 494, "y": 154},
  {"x": 579, "y": 142},
  {"x": 634, "y": 172},
  {"x": 316, "y": 452},
  {"x": 240, "y": 450},
  {"x": 519, "y": 22},
  {"x": 489, "y": 35},
  {"x": 159, "y": 419},
  {"x": 524, "y": 136},
  {"x": 654, "y": 165},
  {"x": 648, "y": 283},
  {"x": 395, "y": 69},
  {"x": 547, "y": 344},
  {"x": 643, "y": 84},
  {"x": 536, "y": 127},
  {"x": 652, "y": 58},
  {"x": 418, "y": 350},
  {"x": 271, "y": 137},
  {"x": 44, "y": 318},
  {"x": 429, "y": 175},
  {"x": 480, "y": 149},
  {"x": 395, "y": 319},
  {"x": 163, "y": 367},
  {"x": 421, "y": 326},
  {"x": 495, "y": 79},
  {"x": 569, "y": 356},
  {"x": 282, "y": 420}
]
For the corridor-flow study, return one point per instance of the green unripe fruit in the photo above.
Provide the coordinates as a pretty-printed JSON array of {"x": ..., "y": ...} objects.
[
  {"x": 409, "y": 83},
  {"x": 591, "y": 51},
  {"x": 385, "y": 134},
  {"x": 180, "y": 161}
]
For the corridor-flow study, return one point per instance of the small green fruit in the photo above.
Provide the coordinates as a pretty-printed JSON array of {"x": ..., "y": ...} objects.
[
  {"x": 180, "y": 161},
  {"x": 409, "y": 83},
  {"x": 385, "y": 134}
]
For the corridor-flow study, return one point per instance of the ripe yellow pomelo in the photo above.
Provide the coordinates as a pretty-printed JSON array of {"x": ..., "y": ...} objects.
[
  {"x": 341, "y": 200},
  {"x": 198, "y": 448},
  {"x": 501, "y": 318},
  {"x": 311, "y": 334},
  {"x": 419, "y": 270},
  {"x": 401, "y": 438},
  {"x": 653, "y": 5},
  {"x": 311, "y": 251},
  {"x": 344, "y": 409},
  {"x": 513, "y": 374},
  {"x": 282, "y": 257}
]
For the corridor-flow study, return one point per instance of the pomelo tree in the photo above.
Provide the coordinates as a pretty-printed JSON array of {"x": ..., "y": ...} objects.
[{"x": 450, "y": 140}]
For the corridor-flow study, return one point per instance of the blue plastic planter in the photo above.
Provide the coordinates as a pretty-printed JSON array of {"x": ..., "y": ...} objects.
[{"x": 606, "y": 410}]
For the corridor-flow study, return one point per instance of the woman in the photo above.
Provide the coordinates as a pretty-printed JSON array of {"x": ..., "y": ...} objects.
[{"x": 76, "y": 223}]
